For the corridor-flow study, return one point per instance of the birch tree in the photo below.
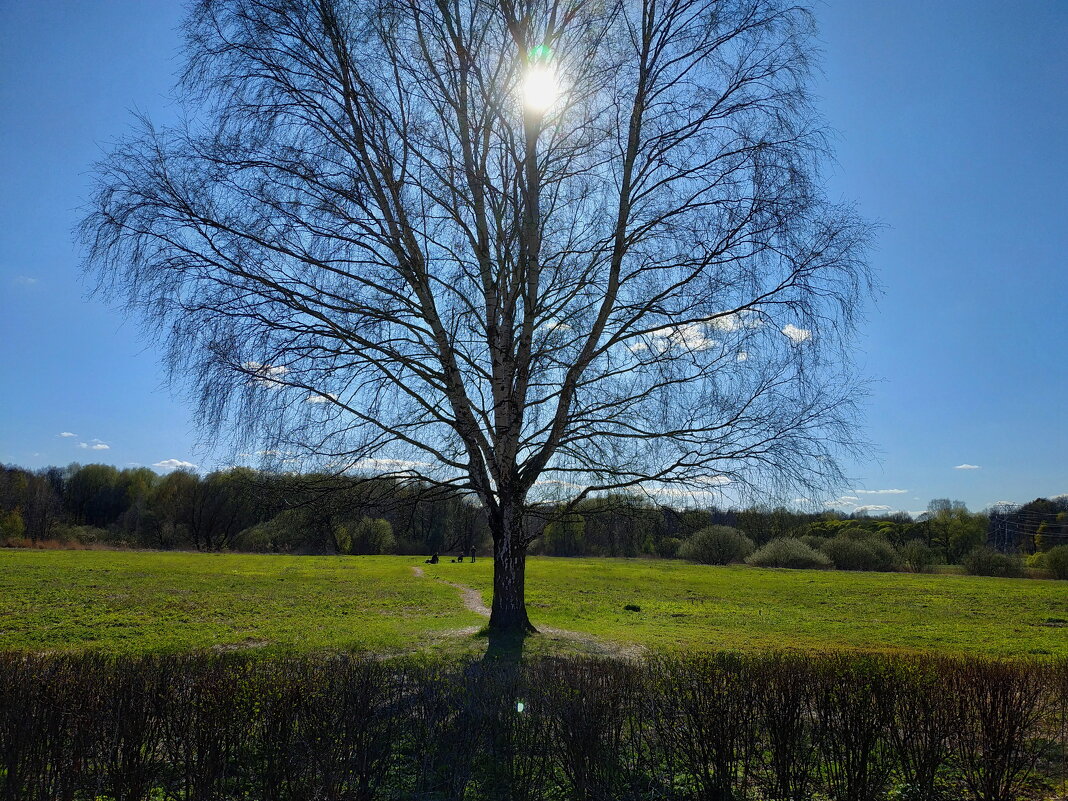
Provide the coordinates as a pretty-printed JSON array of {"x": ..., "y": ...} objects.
[{"x": 525, "y": 248}]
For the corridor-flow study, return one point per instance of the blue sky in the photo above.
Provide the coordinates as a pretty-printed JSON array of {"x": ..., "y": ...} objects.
[{"x": 952, "y": 121}]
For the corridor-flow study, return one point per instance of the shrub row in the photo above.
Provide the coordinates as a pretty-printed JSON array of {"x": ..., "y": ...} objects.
[{"x": 719, "y": 726}]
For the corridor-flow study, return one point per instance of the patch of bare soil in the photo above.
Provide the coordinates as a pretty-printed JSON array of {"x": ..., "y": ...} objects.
[{"x": 570, "y": 640}]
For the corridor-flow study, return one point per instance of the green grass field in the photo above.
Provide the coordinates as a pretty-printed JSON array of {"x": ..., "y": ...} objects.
[{"x": 137, "y": 602}]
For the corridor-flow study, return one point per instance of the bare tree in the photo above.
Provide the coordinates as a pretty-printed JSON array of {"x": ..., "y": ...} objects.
[{"x": 516, "y": 247}]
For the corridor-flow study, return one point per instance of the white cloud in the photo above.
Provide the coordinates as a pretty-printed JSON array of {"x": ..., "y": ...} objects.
[
  {"x": 712, "y": 481},
  {"x": 266, "y": 374},
  {"x": 387, "y": 465},
  {"x": 881, "y": 492},
  {"x": 175, "y": 464},
  {"x": 690, "y": 336},
  {"x": 736, "y": 321},
  {"x": 320, "y": 398},
  {"x": 97, "y": 445},
  {"x": 556, "y": 482},
  {"x": 23, "y": 280},
  {"x": 967, "y": 467},
  {"x": 795, "y": 334},
  {"x": 742, "y": 356},
  {"x": 872, "y": 508},
  {"x": 67, "y": 434},
  {"x": 700, "y": 486}
]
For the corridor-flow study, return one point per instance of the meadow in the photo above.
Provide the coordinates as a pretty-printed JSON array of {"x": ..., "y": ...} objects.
[{"x": 136, "y": 602}]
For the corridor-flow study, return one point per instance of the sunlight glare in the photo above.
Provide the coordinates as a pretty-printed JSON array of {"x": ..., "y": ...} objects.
[{"x": 540, "y": 87}]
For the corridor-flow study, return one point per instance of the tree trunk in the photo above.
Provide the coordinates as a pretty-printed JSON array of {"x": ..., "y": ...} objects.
[{"x": 508, "y": 615}]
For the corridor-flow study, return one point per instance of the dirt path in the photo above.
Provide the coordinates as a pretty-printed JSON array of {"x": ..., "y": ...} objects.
[{"x": 472, "y": 600}]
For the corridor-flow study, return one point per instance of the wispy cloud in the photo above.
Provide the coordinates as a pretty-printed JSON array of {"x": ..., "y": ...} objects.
[
  {"x": 967, "y": 467},
  {"x": 795, "y": 334},
  {"x": 66, "y": 434},
  {"x": 324, "y": 397},
  {"x": 94, "y": 445},
  {"x": 881, "y": 492},
  {"x": 175, "y": 464},
  {"x": 872, "y": 508},
  {"x": 23, "y": 280}
]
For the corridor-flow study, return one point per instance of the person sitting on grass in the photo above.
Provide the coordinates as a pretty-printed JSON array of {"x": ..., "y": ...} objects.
[{"x": 433, "y": 560}]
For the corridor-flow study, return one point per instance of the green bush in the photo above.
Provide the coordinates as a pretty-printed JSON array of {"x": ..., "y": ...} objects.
[
  {"x": 1057, "y": 561},
  {"x": 668, "y": 547},
  {"x": 716, "y": 545},
  {"x": 985, "y": 561},
  {"x": 371, "y": 536},
  {"x": 919, "y": 557},
  {"x": 788, "y": 552},
  {"x": 869, "y": 554}
]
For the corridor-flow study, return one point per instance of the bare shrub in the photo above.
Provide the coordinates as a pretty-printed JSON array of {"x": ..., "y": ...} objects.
[
  {"x": 785, "y": 709},
  {"x": 855, "y": 699},
  {"x": 704, "y": 720},
  {"x": 1001, "y": 707}
]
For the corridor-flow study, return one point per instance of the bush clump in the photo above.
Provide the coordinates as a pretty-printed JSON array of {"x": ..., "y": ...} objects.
[
  {"x": 367, "y": 536},
  {"x": 1057, "y": 561},
  {"x": 985, "y": 561},
  {"x": 870, "y": 554},
  {"x": 919, "y": 557},
  {"x": 788, "y": 552},
  {"x": 716, "y": 545}
]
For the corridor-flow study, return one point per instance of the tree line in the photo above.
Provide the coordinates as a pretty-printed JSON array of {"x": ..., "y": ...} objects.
[{"x": 241, "y": 509}]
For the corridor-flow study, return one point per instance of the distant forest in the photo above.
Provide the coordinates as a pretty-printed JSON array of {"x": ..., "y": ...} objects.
[{"x": 246, "y": 510}]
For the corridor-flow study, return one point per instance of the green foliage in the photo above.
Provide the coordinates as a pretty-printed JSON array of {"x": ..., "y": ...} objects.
[
  {"x": 716, "y": 545},
  {"x": 918, "y": 556},
  {"x": 985, "y": 561},
  {"x": 1042, "y": 539},
  {"x": 788, "y": 552},
  {"x": 12, "y": 526},
  {"x": 1057, "y": 561},
  {"x": 954, "y": 529},
  {"x": 564, "y": 537},
  {"x": 668, "y": 547},
  {"x": 870, "y": 553},
  {"x": 371, "y": 536},
  {"x": 342, "y": 538}
]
